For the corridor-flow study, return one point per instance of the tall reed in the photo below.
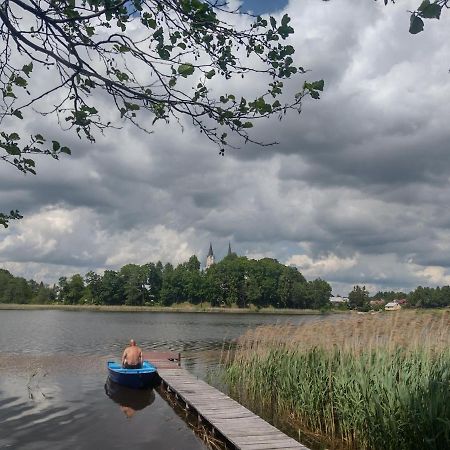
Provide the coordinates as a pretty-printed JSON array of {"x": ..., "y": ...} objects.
[{"x": 371, "y": 382}]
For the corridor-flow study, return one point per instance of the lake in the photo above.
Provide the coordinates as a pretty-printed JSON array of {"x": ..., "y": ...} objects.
[{"x": 53, "y": 379}]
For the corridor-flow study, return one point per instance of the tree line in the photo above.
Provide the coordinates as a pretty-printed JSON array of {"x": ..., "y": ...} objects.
[
  {"x": 421, "y": 297},
  {"x": 234, "y": 281}
]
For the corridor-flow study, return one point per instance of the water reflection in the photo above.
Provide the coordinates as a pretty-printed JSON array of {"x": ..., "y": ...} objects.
[
  {"x": 129, "y": 400},
  {"x": 76, "y": 414}
]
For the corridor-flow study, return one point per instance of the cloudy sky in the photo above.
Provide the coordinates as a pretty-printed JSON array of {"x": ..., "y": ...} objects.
[{"x": 356, "y": 191}]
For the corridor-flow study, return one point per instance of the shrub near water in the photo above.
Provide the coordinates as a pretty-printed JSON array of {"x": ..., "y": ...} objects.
[{"x": 372, "y": 382}]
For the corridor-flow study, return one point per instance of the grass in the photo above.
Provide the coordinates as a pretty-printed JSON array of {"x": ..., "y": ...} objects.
[
  {"x": 367, "y": 382},
  {"x": 179, "y": 307}
]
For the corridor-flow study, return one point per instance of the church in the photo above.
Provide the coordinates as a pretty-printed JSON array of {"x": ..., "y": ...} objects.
[{"x": 210, "y": 259}]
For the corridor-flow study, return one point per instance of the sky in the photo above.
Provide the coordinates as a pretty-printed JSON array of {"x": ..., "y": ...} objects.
[{"x": 355, "y": 192}]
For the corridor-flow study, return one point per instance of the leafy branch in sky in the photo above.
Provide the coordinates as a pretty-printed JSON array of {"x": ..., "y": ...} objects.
[
  {"x": 5, "y": 218},
  {"x": 426, "y": 10},
  {"x": 143, "y": 58}
]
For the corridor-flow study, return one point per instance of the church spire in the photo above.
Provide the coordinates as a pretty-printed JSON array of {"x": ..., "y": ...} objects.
[
  {"x": 210, "y": 257},
  {"x": 229, "y": 248}
]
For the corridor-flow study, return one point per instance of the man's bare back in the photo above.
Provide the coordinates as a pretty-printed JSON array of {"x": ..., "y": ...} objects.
[{"x": 132, "y": 356}]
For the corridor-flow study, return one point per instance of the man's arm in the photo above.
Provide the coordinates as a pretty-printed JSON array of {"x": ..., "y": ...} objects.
[
  {"x": 140, "y": 357},
  {"x": 124, "y": 356}
]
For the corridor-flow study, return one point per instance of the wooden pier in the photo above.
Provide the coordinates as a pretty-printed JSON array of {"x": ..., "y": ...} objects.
[{"x": 233, "y": 422}]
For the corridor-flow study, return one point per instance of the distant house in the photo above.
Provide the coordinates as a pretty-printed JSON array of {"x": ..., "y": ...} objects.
[
  {"x": 338, "y": 300},
  {"x": 392, "y": 306},
  {"x": 377, "y": 303}
]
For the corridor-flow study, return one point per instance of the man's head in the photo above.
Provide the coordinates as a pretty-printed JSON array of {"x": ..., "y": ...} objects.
[{"x": 132, "y": 342}]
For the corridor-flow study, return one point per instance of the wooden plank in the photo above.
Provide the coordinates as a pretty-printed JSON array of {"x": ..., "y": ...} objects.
[
  {"x": 244, "y": 429},
  {"x": 217, "y": 415},
  {"x": 242, "y": 434},
  {"x": 269, "y": 445},
  {"x": 262, "y": 438}
]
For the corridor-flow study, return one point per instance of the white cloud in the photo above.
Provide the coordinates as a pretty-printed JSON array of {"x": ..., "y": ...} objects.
[
  {"x": 159, "y": 243},
  {"x": 322, "y": 266},
  {"x": 434, "y": 275}
]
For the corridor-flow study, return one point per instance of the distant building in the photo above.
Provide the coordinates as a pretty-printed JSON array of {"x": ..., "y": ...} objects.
[
  {"x": 392, "y": 306},
  {"x": 377, "y": 303},
  {"x": 338, "y": 300},
  {"x": 210, "y": 257}
]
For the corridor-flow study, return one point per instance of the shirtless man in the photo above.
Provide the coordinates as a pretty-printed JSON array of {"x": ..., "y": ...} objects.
[{"x": 132, "y": 356}]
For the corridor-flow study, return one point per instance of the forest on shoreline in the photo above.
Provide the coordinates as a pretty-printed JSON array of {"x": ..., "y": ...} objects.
[{"x": 234, "y": 282}]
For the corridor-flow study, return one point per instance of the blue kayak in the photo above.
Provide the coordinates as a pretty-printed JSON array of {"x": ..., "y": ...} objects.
[{"x": 141, "y": 378}]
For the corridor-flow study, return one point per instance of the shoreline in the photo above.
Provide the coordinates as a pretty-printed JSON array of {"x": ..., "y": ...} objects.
[{"x": 166, "y": 309}]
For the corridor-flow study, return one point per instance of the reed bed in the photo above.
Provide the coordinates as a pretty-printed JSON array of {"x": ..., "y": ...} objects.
[{"x": 367, "y": 382}]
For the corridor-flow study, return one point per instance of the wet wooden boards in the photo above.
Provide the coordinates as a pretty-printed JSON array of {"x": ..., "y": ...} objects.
[{"x": 242, "y": 428}]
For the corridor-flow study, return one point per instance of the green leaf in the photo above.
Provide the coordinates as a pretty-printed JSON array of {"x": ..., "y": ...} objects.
[
  {"x": 56, "y": 146},
  {"x": 29, "y": 162},
  {"x": 432, "y": 11},
  {"x": 90, "y": 31},
  {"x": 273, "y": 22},
  {"x": 122, "y": 48},
  {"x": 247, "y": 125},
  {"x": 318, "y": 85},
  {"x": 132, "y": 106},
  {"x": 186, "y": 69},
  {"x": 210, "y": 74},
  {"x": 285, "y": 20},
  {"x": 14, "y": 137},
  {"x": 19, "y": 81},
  {"x": 148, "y": 21},
  {"x": 416, "y": 24},
  {"x": 424, "y": 5},
  {"x": 27, "y": 69},
  {"x": 285, "y": 31},
  {"x": 17, "y": 113},
  {"x": 289, "y": 50},
  {"x": 12, "y": 150},
  {"x": 9, "y": 94},
  {"x": 66, "y": 150}
]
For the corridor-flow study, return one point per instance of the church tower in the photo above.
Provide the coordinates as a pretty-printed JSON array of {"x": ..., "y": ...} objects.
[{"x": 210, "y": 257}]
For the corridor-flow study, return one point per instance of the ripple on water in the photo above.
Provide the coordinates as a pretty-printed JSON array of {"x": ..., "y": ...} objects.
[{"x": 72, "y": 410}]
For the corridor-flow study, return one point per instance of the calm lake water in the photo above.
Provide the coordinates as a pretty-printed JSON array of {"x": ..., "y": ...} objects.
[{"x": 53, "y": 380}]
